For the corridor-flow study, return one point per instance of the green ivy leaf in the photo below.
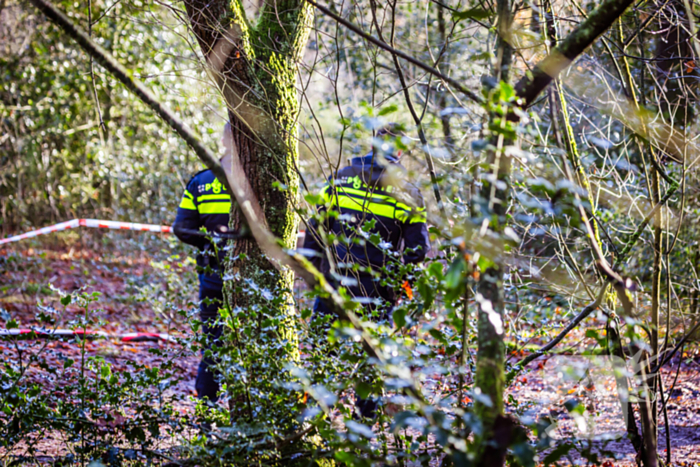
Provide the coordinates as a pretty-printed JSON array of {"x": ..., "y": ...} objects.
[
  {"x": 363, "y": 389},
  {"x": 573, "y": 405},
  {"x": 474, "y": 13},
  {"x": 435, "y": 270},
  {"x": 484, "y": 263},
  {"x": 558, "y": 452},
  {"x": 454, "y": 276},
  {"x": 369, "y": 225},
  {"x": 306, "y": 313},
  {"x": 399, "y": 316},
  {"x": 439, "y": 336},
  {"x": 388, "y": 110},
  {"x": 313, "y": 199}
]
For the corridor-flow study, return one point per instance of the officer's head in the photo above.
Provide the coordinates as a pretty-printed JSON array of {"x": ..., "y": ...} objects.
[
  {"x": 227, "y": 138},
  {"x": 385, "y": 140}
]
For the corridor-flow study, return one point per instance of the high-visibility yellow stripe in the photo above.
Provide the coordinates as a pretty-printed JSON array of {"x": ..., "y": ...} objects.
[
  {"x": 212, "y": 197},
  {"x": 324, "y": 194},
  {"x": 188, "y": 194},
  {"x": 411, "y": 216},
  {"x": 220, "y": 207},
  {"x": 187, "y": 203},
  {"x": 355, "y": 204},
  {"x": 373, "y": 203},
  {"x": 418, "y": 217},
  {"x": 406, "y": 207},
  {"x": 367, "y": 194}
]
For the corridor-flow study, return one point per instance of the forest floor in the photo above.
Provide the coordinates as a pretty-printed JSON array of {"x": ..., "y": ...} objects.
[{"x": 143, "y": 292}]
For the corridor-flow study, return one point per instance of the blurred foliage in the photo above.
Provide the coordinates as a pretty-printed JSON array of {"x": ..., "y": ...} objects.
[{"x": 62, "y": 154}]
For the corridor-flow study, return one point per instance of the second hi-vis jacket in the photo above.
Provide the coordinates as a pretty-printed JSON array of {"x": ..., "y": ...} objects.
[
  {"x": 205, "y": 203},
  {"x": 359, "y": 194}
]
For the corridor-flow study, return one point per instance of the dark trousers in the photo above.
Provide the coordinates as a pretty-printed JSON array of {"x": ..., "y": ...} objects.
[
  {"x": 378, "y": 303},
  {"x": 211, "y": 298}
]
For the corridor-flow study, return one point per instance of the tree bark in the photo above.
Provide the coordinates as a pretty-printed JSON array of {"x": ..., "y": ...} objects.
[
  {"x": 617, "y": 359},
  {"x": 255, "y": 66},
  {"x": 494, "y": 196},
  {"x": 675, "y": 69}
]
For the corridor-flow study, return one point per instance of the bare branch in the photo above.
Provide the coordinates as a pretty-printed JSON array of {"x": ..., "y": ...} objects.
[
  {"x": 531, "y": 85},
  {"x": 381, "y": 44},
  {"x": 105, "y": 59}
]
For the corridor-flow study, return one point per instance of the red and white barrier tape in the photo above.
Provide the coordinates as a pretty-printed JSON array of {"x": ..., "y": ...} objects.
[
  {"x": 93, "y": 223},
  {"x": 91, "y": 335}
]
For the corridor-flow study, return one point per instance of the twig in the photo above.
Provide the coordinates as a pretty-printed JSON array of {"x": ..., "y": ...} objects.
[
  {"x": 379, "y": 43},
  {"x": 105, "y": 59},
  {"x": 599, "y": 20},
  {"x": 664, "y": 409},
  {"x": 416, "y": 119},
  {"x": 675, "y": 349},
  {"x": 640, "y": 228},
  {"x": 590, "y": 308},
  {"x": 92, "y": 73}
]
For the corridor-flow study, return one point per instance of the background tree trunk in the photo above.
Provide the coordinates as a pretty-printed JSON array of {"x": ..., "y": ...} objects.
[
  {"x": 490, "y": 379},
  {"x": 675, "y": 65}
]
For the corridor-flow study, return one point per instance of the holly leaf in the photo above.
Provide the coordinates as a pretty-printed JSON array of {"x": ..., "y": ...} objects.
[{"x": 473, "y": 13}]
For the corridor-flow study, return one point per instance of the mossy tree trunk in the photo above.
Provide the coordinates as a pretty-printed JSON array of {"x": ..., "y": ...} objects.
[
  {"x": 254, "y": 63},
  {"x": 493, "y": 202}
]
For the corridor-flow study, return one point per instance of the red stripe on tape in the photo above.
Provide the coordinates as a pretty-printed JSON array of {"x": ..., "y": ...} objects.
[
  {"x": 88, "y": 223},
  {"x": 80, "y": 332}
]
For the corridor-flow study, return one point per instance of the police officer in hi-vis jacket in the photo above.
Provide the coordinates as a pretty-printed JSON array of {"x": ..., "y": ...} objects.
[
  {"x": 362, "y": 196},
  {"x": 206, "y": 203}
]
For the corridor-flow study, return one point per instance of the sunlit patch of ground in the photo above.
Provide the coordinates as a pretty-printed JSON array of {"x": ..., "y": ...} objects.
[
  {"x": 548, "y": 385},
  {"x": 137, "y": 290},
  {"x": 138, "y": 293}
]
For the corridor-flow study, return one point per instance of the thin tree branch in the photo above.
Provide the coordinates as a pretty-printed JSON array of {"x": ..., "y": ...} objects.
[
  {"x": 600, "y": 19},
  {"x": 407, "y": 96},
  {"x": 640, "y": 228},
  {"x": 590, "y": 308},
  {"x": 120, "y": 72},
  {"x": 381, "y": 44},
  {"x": 670, "y": 355}
]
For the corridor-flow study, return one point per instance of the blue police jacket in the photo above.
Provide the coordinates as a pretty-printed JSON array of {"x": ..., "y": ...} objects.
[
  {"x": 205, "y": 203},
  {"x": 360, "y": 193}
]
